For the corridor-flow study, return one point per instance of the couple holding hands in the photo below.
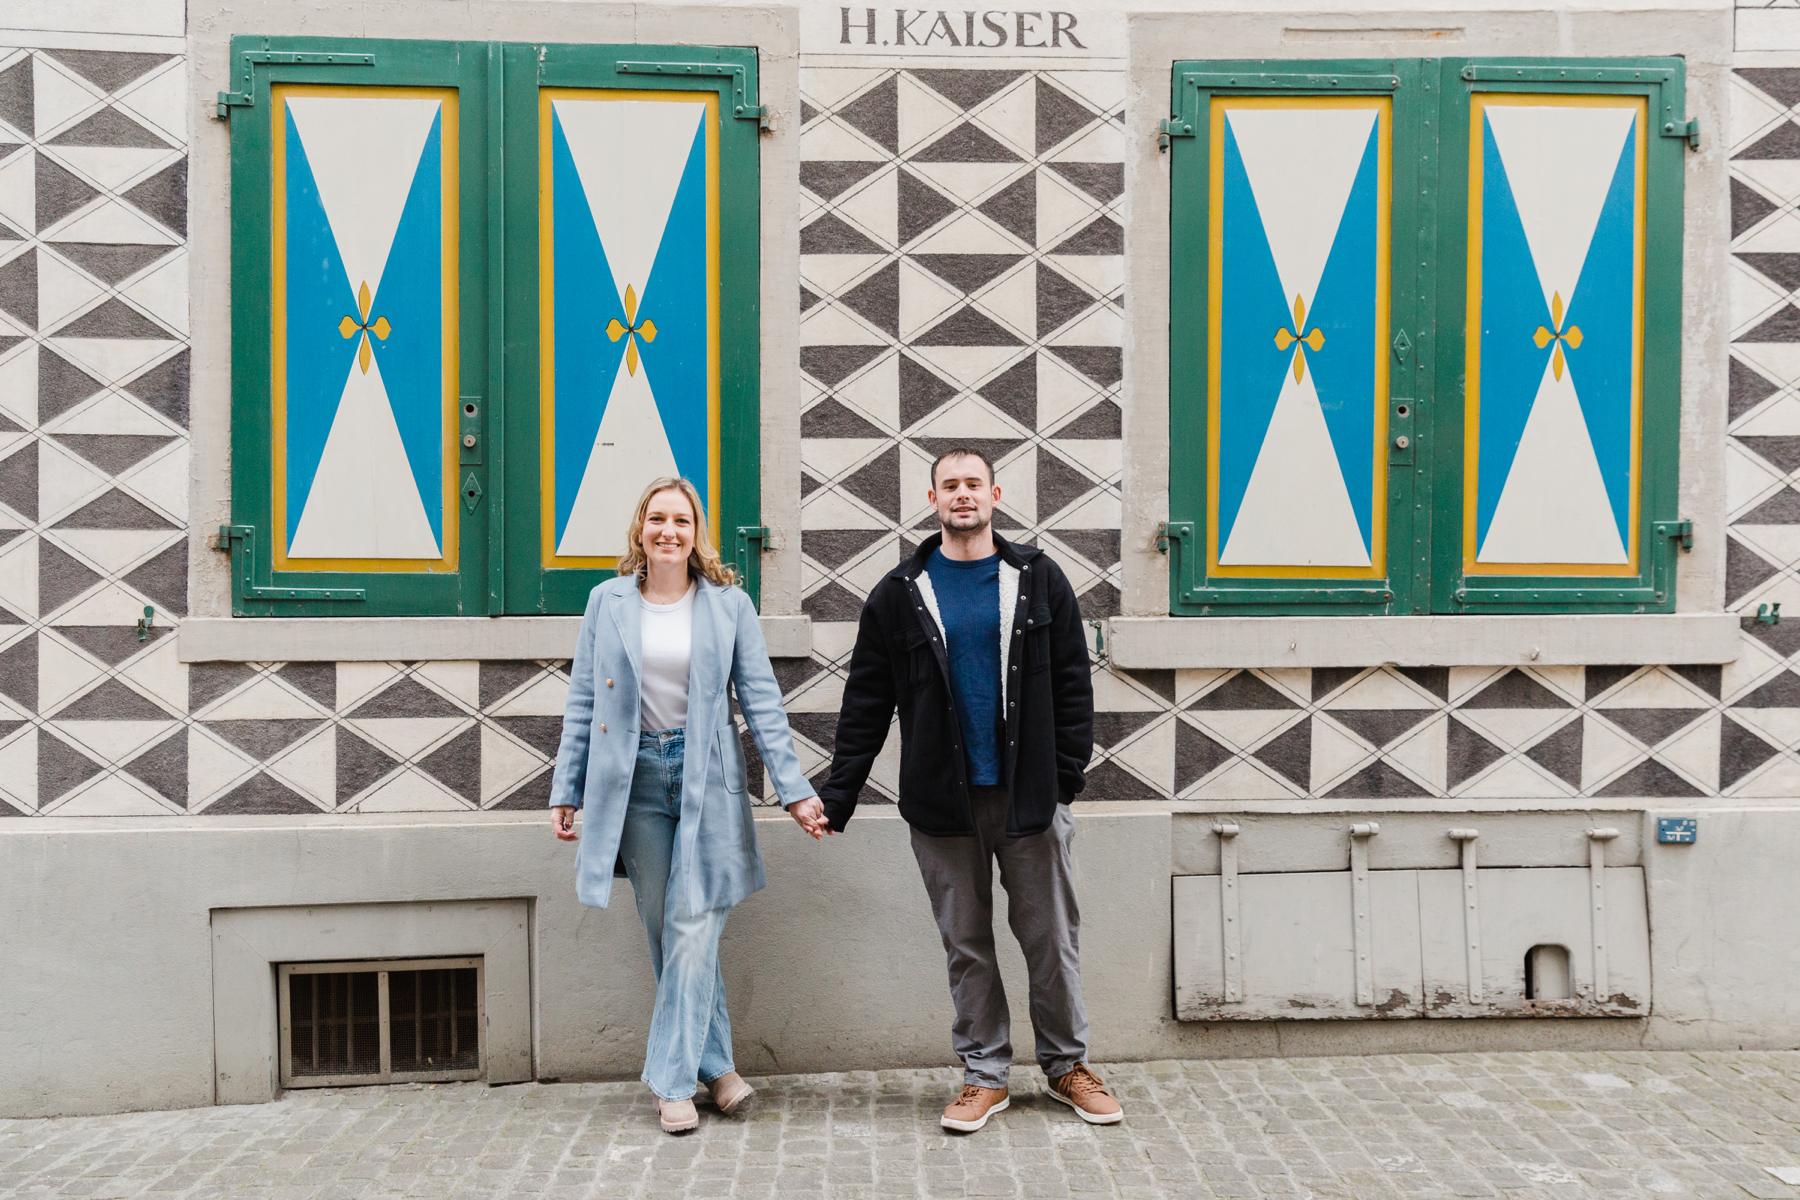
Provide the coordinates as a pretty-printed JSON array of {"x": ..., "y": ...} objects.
[{"x": 978, "y": 644}]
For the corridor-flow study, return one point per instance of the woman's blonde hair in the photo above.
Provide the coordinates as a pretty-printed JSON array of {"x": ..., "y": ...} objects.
[{"x": 703, "y": 560}]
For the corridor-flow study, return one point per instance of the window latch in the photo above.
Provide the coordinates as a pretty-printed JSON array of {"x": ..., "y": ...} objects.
[{"x": 751, "y": 543}]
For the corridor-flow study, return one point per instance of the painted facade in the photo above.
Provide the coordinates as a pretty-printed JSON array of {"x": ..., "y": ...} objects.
[{"x": 961, "y": 261}]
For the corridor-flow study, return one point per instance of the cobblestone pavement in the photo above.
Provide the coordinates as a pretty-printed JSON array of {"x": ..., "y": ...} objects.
[{"x": 1417, "y": 1125}]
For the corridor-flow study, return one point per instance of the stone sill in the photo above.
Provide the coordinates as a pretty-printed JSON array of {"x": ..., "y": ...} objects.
[
  {"x": 411, "y": 639},
  {"x": 1151, "y": 643}
]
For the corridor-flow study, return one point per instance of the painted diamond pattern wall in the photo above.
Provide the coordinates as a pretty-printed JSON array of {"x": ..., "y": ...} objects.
[
  {"x": 96, "y": 716},
  {"x": 961, "y": 284},
  {"x": 882, "y": 378},
  {"x": 961, "y": 266},
  {"x": 372, "y": 737},
  {"x": 93, "y": 429},
  {"x": 962, "y": 241}
]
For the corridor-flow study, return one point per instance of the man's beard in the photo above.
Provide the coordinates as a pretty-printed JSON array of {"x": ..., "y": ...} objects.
[{"x": 981, "y": 523}]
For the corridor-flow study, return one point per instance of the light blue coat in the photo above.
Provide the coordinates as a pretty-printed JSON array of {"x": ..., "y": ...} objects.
[{"x": 716, "y": 860}]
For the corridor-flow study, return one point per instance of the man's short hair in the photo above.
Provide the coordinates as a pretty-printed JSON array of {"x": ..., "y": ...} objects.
[{"x": 961, "y": 452}]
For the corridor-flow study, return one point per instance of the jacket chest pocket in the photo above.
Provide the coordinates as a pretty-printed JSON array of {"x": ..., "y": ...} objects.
[
  {"x": 1037, "y": 638},
  {"x": 911, "y": 655}
]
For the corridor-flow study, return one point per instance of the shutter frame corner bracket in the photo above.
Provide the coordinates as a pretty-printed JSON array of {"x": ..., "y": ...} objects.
[
  {"x": 239, "y": 541},
  {"x": 249, "y": 60},
  {"x": 745, "y": 105}
]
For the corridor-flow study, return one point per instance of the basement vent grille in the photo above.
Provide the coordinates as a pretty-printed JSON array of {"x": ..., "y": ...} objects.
[{"x": 414, "y": 1020}]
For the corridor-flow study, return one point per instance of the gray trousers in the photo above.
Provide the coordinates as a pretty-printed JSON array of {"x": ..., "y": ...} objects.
[{"x": 1038, "y": 874}]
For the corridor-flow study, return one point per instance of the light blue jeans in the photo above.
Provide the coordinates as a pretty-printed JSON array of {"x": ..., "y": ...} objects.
[{"x": 690, "y": 1033}]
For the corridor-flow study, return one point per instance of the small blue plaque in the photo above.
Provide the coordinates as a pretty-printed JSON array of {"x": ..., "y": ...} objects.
[{"x": 1677, "y": 831}]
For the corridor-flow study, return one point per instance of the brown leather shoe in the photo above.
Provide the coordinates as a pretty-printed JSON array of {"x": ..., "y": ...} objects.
[
  {"x": 972, "y": 1108},
  {"x": 1086, "y": 1093},
  {"x": 730, "y": 1092},
  {"x": 676, "y": 1116}
]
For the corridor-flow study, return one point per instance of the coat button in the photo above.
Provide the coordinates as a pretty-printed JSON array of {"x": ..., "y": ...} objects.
[
  {"x": 603, "y": 727},
  {"x": 609, "y": 683}
]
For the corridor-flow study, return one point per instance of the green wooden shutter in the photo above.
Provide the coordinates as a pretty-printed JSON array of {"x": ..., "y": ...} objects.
[
  {"x": 631, "y": 304},
  {"x": 1539, "y": 263},
  {"x": 1295, "y": 243},
  {"x": 359, "y": 335},
  {"x": 1559, "y": 366},
  {"x": 329, "y": 182}
]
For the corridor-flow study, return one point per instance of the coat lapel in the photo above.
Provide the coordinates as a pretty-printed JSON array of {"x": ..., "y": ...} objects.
[
  {"x": 626, "y": 615},
  {"x": 703, "y": 648}
]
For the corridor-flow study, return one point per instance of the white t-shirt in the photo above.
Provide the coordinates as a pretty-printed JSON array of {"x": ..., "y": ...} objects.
[{"x": 668, "y": 631}]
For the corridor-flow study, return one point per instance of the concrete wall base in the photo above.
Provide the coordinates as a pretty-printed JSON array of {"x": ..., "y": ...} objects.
[{"x": 107, "y": 1001}]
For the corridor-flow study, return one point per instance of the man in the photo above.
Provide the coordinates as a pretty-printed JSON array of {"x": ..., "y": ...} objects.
[{"x": 979, "y": 644}]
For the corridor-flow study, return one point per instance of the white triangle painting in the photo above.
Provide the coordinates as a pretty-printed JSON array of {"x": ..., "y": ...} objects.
[
  {"x": 1553, "y": 507},
  {"x": 364, "y": 152},
  {"x": 363, "y": 470},
  {"x": 631, "y": 448},
  {"x": 1296, "y": 511},
  {"x": 58, "y": 98},
  {"x": 629, "y": 155},
  {"x": 1560, "y": 162},
  {"x": 1301, "y": 163}
]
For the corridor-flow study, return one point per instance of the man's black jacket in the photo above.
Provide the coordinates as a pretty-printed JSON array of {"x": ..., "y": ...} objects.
[{"x": 900, "y": 662}]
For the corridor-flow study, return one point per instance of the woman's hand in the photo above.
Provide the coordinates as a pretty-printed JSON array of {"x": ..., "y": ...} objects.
[
  {"x": 562, "y": 819},
  {"x": 809, "y": 814}
]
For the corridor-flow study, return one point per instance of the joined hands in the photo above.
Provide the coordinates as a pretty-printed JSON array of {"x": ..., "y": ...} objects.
[{"x": 809, "y": 814}]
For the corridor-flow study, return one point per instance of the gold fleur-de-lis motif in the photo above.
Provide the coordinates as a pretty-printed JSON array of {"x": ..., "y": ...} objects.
[
  {"x": 631, "y": 330},
  {"x": 350, "y": 326},
  {"x": 1570, "y": 336},
  {"x": 1313, "y": 340}
]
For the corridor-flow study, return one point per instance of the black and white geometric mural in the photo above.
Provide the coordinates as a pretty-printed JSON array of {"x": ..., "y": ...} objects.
[
  {"x": 961, "y": 235},
  {"x": 962, "y": 267},
  {"x": 93, "y": 430},
  {"x": 920, "y": 317}
]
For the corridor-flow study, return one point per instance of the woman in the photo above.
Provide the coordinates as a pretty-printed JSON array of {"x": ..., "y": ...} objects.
[{"x": 650, "y": 750}]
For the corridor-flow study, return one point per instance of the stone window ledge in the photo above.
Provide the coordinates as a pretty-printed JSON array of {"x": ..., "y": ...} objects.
[
  {"x": 1149, "y": 643},
  {"x": 397, "y": 639}
]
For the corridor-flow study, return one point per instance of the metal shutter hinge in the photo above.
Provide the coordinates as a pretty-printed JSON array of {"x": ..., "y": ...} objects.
[
  {"x": 1681, "y": 531},
  {"x": 1172, "y": 127},
  {"x": 1688, "y": 130}
]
